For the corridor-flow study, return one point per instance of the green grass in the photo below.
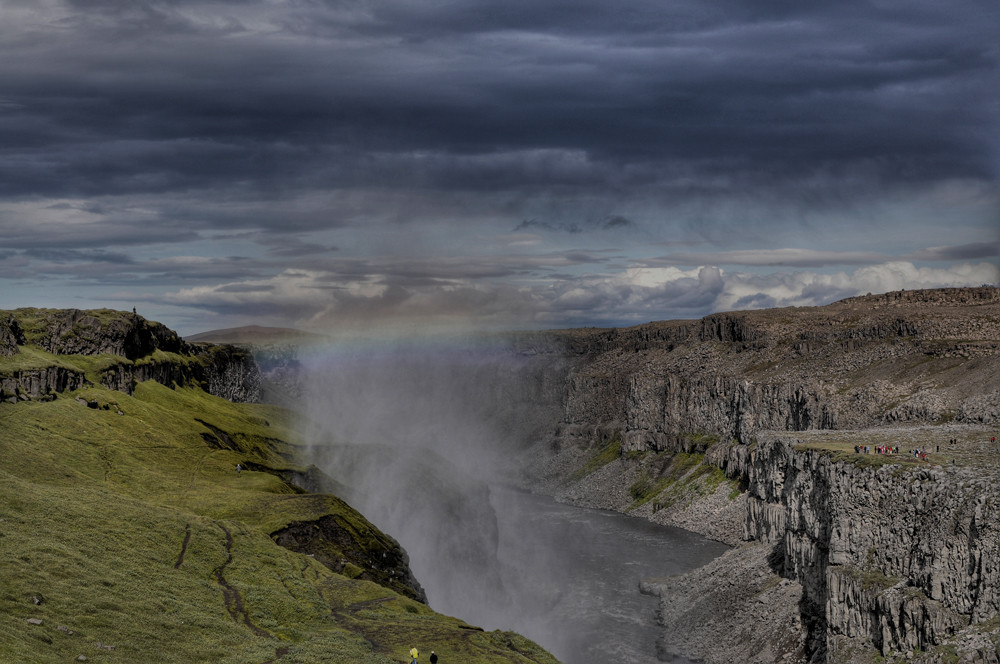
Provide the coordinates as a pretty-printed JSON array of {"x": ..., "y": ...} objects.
[
  {"x": 133, "y": 528},
  {"x": 30, "y": 358},
  {"x": 839, "y": 446},
  {"x": 686, "y": 476},
  {"x": 605, "y": 454},
  {"x": 871, "y": 579},
  {"x": 92, "y": 367}
]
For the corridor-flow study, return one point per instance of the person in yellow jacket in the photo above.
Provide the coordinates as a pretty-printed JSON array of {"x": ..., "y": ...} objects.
[{"x": 414, "y": 653}]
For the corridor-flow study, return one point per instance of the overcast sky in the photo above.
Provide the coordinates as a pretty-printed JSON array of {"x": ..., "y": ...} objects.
[{"x": 528, "y": 163}]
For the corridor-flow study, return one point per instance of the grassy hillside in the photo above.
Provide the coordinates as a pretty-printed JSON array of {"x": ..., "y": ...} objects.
[{"x": 132, "y": 539}]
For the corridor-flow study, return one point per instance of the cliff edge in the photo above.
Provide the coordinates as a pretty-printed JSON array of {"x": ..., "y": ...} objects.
[{"x": 44, "y": 352}]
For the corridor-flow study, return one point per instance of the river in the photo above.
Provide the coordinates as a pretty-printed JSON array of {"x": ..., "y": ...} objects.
[{"x": 572, "y": 576}]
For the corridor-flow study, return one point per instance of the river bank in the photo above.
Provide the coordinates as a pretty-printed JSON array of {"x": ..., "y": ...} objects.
[{"x": 840, "y": 557}]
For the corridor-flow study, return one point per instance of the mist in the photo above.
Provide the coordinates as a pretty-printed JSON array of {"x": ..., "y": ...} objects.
[
  {"x": 423, "y": 433},
  {"x": 430, "y": 439}
]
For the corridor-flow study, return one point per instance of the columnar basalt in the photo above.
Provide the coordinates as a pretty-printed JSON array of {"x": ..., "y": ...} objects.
[
  {"x": 900, "y": 557},
  {"x": 908, "y": 357},
  {"x": 38, "y": 383}
]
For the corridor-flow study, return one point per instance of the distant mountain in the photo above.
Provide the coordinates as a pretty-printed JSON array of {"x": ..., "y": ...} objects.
[{"x": 255, "y": 334}]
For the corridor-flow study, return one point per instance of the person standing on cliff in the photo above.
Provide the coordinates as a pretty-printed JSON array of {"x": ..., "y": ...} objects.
[
  {"x": 434, "y": 657},
  {"x": 414, "y": 653}
]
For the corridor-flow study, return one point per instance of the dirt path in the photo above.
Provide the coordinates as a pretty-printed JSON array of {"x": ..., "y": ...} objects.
[
  {"x": 184, "y": 546},
  {"x": 230, "y": 595}
]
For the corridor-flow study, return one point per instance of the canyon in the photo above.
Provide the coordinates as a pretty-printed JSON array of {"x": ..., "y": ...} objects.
[{"x": 747, "y": 427}]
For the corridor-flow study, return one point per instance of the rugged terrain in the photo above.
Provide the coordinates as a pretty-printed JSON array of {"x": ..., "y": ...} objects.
[
  {"x": 749, "y": 427},
  {"x": 50, "y": 351},
  {"x": 743, "y": 426}
]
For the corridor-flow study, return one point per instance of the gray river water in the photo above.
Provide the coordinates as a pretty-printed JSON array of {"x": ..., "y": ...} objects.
[{"x": 572, "y": 576}]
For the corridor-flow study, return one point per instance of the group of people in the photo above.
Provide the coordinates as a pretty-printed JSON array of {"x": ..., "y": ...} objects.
[
  {"x": 414, "y": 653},
  {"x": 889, "y": 449},
  {"x": 879, "y": 449}
]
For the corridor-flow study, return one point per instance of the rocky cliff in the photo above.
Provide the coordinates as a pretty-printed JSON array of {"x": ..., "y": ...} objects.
[
  {"x": 906, "y": 357},
  {"x": 115, "y": 349},
  {"x": 873, "y": 556},
  {"x": 11, "y": 334},
  {"x": 75, "y": 332},
  {"x": 903, "y": 556}
]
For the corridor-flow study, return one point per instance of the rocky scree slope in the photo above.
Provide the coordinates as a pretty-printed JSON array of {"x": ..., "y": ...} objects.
[{"x": 44, "y": 352}]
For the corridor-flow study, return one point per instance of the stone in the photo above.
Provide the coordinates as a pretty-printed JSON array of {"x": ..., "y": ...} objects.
[{"x": 35, "y": 621}]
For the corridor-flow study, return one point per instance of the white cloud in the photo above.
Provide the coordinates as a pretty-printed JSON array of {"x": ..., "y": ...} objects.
[{"x": 314, "y": 299}]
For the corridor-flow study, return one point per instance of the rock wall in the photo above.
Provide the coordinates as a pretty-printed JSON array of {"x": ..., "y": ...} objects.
[
  {"x": 885, "y": 558},
  {"x": 907, "y": 357},
  {"x": 38, "y": 383},
  {"x": 75, "y": 332},
  {"x": 11, "y": 335},
  {"x": 224, "y": 371},
  {"x": 900, "y": 558}
]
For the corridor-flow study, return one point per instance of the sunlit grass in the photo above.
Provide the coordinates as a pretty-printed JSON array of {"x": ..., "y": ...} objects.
[
  {"x": 606, "y": 453},
  {"x": 118, "y": 525},
  {"x": 943, "y": 446}
]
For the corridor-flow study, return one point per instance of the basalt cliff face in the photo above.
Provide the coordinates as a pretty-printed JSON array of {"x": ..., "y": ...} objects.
[
  {"x": 872, "y": 556},
  {"x": 904, "y": 357},
  {"x": 118, "y": 350},
  {"x": 902, "y": 558}
]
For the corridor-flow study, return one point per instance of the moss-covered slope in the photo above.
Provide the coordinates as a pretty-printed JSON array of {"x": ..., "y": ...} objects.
[{"x": 127, "y": 535}]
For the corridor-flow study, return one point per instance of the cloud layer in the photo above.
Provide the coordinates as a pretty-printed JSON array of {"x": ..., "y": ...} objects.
[{"x": 317, "y": 162}]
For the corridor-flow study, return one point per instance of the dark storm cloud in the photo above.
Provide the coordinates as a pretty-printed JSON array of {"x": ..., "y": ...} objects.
[
  {"x": 79, "y": 256},
  {"x": 128, "y": 97},
  {"x": 536, "y": 225},
  {"x": 616, "y": 222},
  {"x": 323, "y": 158}
]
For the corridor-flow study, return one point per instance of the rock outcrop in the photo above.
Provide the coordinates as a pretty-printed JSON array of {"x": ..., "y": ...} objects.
[
  {"x": 11, "y": 335},
  {"x": 28, "y": 384},
  {"x": 224, "y": 371},
  {"x": 148, "y": 351},
  {"x": 353, "y": 548},
  {"x": 103, "y": 331},
  {"x": 900, "y": 358}
]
